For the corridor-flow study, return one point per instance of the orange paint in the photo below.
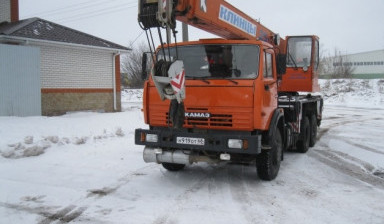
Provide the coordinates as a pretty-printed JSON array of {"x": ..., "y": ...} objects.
[{"x": 244, "y": 106}]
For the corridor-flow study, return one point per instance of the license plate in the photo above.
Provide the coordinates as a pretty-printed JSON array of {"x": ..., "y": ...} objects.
[{"x": 190, "y": 141}]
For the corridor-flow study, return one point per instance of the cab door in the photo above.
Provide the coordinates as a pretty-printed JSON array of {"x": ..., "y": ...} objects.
[{"x": 269, "y": 85}]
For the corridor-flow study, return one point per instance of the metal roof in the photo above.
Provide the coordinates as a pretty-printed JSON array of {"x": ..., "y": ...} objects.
[{"x": 40, "y": 29}]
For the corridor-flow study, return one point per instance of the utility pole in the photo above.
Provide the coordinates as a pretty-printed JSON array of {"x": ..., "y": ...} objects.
[{"x": 185, "y": 31}]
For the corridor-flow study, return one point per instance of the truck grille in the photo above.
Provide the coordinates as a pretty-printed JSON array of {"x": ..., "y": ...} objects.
[
  {"x": 227, "y": 118},
  {"x": 215, "y": 120}
]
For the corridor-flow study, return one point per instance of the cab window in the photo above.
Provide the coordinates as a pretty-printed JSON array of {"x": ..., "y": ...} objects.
[{"x": 268, "y": 71}]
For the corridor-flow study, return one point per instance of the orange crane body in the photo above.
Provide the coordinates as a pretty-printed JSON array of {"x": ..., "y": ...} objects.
[
  {"x": 241, "y": 99},
  {"x": 226, "y": 21}
]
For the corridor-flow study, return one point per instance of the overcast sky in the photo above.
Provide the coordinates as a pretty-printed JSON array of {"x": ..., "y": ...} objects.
[{"x": 351, "y": 26}]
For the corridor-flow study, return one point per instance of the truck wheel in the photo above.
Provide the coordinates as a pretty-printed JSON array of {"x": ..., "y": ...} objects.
[
  {"x": 313, "y": 125},
  {"x": 173, "y": 166},
  {"x": 305, "y": 135},
  {"x": 268, "y": 162}
]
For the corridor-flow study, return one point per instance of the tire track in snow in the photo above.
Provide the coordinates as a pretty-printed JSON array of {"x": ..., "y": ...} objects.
[
  {"x": 367, "y": 148},
  {"x": 65, "y": 215},
  {"x": 111, "y": 188},
  {"x": 181, "y": 200},
  {"x": 342, "y": 165},
  {"x": 324, "y": 130},
  {"x": 239, "y": 191},
  {"x": 356, "y": 168},
  {"x": 76, "y": 208}
]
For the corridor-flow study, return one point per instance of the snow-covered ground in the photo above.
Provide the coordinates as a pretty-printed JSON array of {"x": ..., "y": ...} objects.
[
  {"x": 85, "y": 168},
  {"x": 352, "y": 92}
]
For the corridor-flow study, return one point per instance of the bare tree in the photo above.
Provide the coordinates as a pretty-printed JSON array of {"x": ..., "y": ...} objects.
[
  {"x": 337, "y": 66},
  {"x": 131, "y": 66}
]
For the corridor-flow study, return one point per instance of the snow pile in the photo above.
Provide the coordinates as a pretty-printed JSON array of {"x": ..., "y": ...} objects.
[
  {"x": 132, "y": 95},
  {"x": 32, "y": 136},
  {"x": 131, "y": 99},
  {"x": 29, "y": 147},
  {"x": 353, "y": 92}
]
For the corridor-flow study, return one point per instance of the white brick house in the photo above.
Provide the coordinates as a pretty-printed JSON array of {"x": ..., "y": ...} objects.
[
  {"x": 78, "y": 71},
  {"x": 89, "y": 71}
]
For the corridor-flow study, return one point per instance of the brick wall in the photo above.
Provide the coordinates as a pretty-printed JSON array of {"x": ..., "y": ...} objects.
[
  {"x": 74, "y": 79},
  {"x": 65, "y": 67},
  {"x": 5, "y": 10}
]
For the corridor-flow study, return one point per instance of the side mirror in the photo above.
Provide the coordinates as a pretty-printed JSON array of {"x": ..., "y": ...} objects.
[
  {"x": 276, "y": 39},
  {"x": 144, "y": 63},
  {"x": 281, "y": 64}
]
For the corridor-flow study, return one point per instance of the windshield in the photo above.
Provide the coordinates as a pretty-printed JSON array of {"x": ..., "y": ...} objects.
[
  {"x": 217, "y": 61},
  {"x": 299, "y": 51}
]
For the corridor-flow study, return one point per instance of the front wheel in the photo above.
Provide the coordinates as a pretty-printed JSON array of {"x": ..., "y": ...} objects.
[
  {"x": 173, "y": 166},
  {"x": 268, "y": 162}
]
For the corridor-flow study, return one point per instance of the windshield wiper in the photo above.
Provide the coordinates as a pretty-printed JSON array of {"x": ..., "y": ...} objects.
[
  {"x": 294, "y": 62},
  {"x": 203, "y": 79},
  {"x": 233, "y": 81}
]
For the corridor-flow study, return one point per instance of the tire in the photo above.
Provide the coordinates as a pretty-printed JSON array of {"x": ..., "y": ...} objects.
[
  {"x": 173, "y": 166},
  {"x": 313, "y": 128},
  {"x": 305, "y": 135},
  {"x": 268, "y": 162}
]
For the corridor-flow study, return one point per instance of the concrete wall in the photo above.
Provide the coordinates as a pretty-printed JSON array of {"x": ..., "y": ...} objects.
[{"x": 5, "y": 10}]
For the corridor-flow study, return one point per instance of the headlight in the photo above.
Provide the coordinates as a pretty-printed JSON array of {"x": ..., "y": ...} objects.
[
  {"x": 151, "y": 138},
  {"x": 235, "y": 143},
  {"x": 238, "y": 144}
]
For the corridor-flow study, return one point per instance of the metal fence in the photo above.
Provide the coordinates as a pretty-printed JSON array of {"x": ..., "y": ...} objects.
[{"x": 20, "y": 85}]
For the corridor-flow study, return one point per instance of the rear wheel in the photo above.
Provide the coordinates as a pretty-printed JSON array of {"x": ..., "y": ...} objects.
[
  {"x": 313, "y": 125},
  {"x": 268, "y": 162},
  {"x": 305, "y": 135},
  {"x": 173, "y": 166}
]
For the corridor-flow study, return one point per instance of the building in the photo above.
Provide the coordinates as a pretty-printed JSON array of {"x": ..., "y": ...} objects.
[
  {"x": 363, "y": 65},
  {"x": 75, "y": 71}
]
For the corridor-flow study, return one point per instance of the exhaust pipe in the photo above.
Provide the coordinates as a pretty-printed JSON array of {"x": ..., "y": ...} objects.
[{"x": 156, "y": 155}]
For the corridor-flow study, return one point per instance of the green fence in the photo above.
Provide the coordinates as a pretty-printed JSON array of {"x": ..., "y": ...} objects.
[{"x": 358, "y": 76}]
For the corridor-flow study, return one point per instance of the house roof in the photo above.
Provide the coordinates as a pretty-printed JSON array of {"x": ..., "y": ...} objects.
[{"x": 40, "y": 29}]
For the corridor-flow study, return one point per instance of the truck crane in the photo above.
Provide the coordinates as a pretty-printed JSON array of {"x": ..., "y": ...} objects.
[{"x": 244, "y": 97}]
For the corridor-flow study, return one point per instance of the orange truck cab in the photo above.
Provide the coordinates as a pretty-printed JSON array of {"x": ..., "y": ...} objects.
[{"x": 240, "y": 102}]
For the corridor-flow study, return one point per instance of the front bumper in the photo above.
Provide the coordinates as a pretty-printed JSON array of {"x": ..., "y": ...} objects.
[{"x": 213, "y": 141}]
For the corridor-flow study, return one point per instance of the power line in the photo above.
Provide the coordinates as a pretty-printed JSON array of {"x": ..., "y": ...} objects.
[
  {"x": 136, "y": 38},
  {"x": 77, "y": 7},
  {"x": 94, "y": 14},
  {"x": 61, "y": 8}
]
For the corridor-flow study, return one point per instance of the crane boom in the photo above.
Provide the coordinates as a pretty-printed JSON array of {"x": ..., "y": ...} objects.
[
  {"x": 222, "y": 19},
  {"x": 294, "y": 54},
  {"x": 218, "y": 17}
]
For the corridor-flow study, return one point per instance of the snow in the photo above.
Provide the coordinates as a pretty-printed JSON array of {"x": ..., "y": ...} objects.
[
  {"x": 352, "y": 92},
  {"x": 85, "y": 168}
]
